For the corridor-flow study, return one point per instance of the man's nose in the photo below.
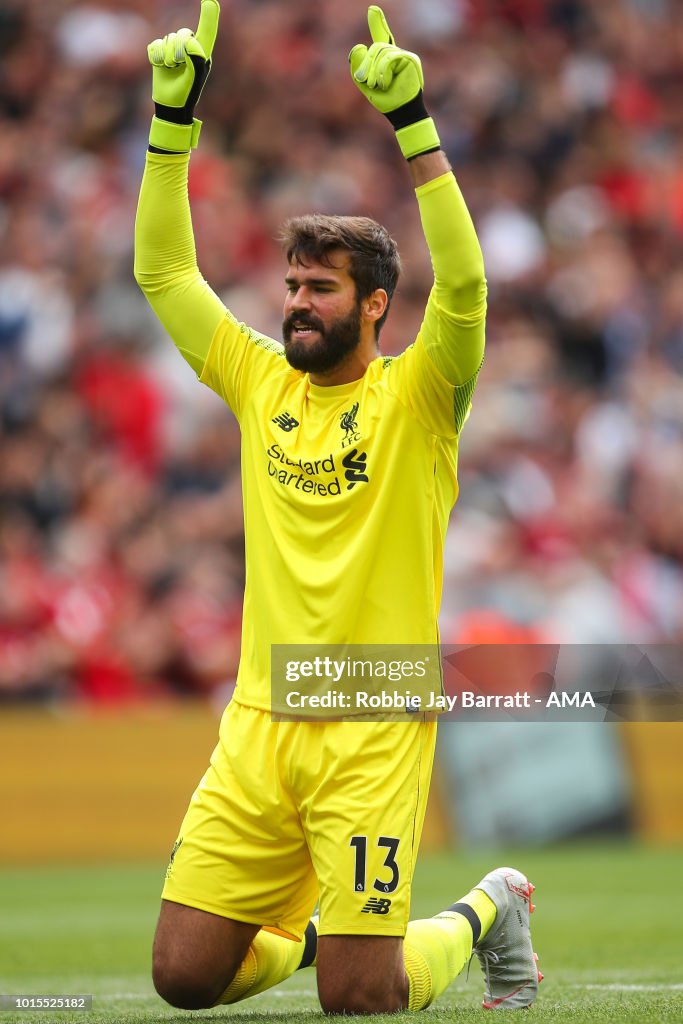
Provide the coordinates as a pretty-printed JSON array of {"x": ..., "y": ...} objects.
[{"x": 300, "y": 299}]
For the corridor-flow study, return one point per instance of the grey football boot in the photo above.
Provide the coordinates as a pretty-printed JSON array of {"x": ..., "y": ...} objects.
[{"x": 505, "y": 954}]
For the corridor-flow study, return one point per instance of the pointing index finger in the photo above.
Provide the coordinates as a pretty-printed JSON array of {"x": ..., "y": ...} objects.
[
  {"x": 377, "y": 23},
  {"x": 207, "y": 29}
]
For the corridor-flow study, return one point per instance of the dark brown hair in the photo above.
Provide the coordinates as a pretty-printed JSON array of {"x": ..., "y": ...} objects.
[{"x": 374, "y": 259}]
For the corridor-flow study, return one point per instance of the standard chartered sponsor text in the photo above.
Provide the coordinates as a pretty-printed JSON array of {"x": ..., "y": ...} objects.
[{"x": 303, "y": 474}]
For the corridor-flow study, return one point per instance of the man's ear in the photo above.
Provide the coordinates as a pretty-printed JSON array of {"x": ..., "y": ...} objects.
[{"x": 374, "y": 305}]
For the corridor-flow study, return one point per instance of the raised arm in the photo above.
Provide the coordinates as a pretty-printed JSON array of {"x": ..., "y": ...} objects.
[
  {"x": 453, "y": 327},
  {"x": 165, "y": 258}
]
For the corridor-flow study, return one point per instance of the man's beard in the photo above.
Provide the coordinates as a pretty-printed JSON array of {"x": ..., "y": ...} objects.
[{"x": 334, "y": 345}]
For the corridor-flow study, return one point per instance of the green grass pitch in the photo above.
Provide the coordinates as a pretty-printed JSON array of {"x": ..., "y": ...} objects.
[{"x": 607, "y": 929}]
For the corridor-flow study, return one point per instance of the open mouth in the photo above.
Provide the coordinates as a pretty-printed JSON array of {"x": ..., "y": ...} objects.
[{"x": 301, "y": 331}]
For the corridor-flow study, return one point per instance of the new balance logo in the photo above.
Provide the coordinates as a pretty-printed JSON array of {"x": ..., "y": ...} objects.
[
  {"x": 376, "y": 906},
  {"x": 285, "y": 421},
  {"x": 355, "y": 468}
]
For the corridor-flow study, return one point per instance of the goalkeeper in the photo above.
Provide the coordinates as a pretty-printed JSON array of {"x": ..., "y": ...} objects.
[{"x": 349, "y": 475}]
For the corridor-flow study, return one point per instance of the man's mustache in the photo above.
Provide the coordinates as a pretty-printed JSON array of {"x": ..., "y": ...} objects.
[{"x": 299, "y": 320}]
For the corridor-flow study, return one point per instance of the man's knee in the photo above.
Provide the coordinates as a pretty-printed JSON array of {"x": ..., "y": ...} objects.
[
  {"x": 342, "y": 997},
  {"x": 196, "y": 955},
  {"x": 361, "y": 975},
  {"x": 183, "y": 985}
]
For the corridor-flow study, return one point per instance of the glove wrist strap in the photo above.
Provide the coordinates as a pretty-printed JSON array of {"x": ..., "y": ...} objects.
[
  {"x": 415, "y": 130},
  {"x": 418, "y": 139},
  {"x": 174, "y": 138}
]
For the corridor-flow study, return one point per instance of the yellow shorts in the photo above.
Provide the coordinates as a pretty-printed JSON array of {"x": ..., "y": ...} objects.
[{"x": 292, "y": 813}]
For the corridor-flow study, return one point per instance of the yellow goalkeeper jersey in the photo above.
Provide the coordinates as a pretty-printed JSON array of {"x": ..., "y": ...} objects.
[
  {"x": 347, "y": 489},
  {"x": 347, "y": 492}
]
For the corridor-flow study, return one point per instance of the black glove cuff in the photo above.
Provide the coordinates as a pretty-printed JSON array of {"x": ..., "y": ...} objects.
[
  {"x": 185, "y": 115},
  {"x": 409, "y": 113},
  {"x": 176, "y": 115}
]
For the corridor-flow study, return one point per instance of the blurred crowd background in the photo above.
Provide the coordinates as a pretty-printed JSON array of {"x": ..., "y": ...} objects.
[{"x": 121, "y": 546}]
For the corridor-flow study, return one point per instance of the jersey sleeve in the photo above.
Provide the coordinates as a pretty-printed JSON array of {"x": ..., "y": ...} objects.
[
  {"x": 453, "y": 329},
  {"x": 238, "y": 360},
  {"x": 435, "y": 377},
  {"x": 415, "y": 380},
  {"x": 226, "y": 355},
  {"x": 165, "y": 259}
]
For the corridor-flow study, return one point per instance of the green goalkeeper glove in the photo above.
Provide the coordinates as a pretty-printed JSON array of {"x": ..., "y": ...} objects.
[
  {"x": 181, "y": 62},
  {"x": 392, "y": 80}
]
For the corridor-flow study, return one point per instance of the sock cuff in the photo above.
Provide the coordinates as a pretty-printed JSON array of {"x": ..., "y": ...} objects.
[
  {"x": 310, "y": 946},
  {"x": 419, "y": 979},
  {"x": 243, "y": 980},
  {"x": 471, "y": 916}
]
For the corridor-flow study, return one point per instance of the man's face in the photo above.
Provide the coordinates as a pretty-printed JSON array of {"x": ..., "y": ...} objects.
[{"x": 321, "y": 325}]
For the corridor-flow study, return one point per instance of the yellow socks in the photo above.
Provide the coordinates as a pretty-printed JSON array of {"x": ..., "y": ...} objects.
[
  {"x": 269, "y": 960},
  {"x": 437, "y": 949},
  {"x": 484, "y": 910}
]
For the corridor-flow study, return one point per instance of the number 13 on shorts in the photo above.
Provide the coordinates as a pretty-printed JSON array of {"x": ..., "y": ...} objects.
[{"x": 390, "y": 874}]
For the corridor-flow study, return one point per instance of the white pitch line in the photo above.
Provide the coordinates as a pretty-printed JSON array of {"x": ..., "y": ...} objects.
[
  {"x": 612, "y": 987},
  {"x": 298, "y": 992},
  {"x": 293, "y": 992},
  {"x": 120, "y": 995}
]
